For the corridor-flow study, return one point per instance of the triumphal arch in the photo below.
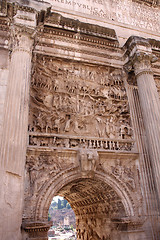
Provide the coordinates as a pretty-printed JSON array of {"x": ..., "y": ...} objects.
[{"x": 80, "y": 117}]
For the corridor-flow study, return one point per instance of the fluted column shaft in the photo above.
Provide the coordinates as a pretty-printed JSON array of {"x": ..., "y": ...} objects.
[
  {"x": 13, "y": 143},
  {"x": 150, "y": 104},
  {"x": 14, "y": 134},
  {"x": 146, "y": 103}
]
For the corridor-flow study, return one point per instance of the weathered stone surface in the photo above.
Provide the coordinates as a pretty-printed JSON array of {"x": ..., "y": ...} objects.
[{"x": 74, "y": 123}]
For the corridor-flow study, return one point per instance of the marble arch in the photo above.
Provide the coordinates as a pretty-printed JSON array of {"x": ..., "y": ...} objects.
[
  {"x": 98, "y": 196},
  {"x": 55, "y": 187},
  {"x": 80, "y": 116}
]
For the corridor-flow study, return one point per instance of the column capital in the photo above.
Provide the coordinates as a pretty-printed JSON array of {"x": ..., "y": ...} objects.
[
  {"x": 139, "y": 56},
  {"x": 21, "y": 39},
  {"x": 25, "y": 20}
]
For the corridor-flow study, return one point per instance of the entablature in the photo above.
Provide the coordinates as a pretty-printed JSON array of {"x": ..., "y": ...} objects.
[
  {"x": 57, "y": 20},
  {"x": 72, "y": 39}
]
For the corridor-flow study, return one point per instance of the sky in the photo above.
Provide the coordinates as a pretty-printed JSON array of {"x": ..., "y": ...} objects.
[{"x": 57, "y": 197}]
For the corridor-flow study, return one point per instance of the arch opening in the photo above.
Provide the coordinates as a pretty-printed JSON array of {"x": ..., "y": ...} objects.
[
  {"x": 63, "y": 220},
  {"x": 96, "y": 206}
]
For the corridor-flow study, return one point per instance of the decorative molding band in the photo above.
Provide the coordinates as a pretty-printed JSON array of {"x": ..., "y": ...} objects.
[
  {"x": 70, "y": 142},
  {"x": 76, "y": 26},
  {"x": 153, "y": 3}
]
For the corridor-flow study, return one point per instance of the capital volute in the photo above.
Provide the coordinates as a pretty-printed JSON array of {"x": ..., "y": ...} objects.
[
  {"x": 142, "y": 62},
  {"x": 139, "y": 56},
  {"x": 143, "y": 57}
]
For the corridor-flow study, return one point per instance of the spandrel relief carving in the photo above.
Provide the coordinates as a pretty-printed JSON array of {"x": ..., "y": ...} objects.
[
  {"x": 78, "y": 100},
  {"x": 43, "y": 166},
  {"x": 125, "y": 173},
  {"x": 38, "y": 167}
]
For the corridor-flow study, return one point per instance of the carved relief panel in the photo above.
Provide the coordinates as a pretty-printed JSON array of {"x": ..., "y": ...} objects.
[
  {"x": 43, "y": 166},
  {"x": 77, "y": 112},
  {"x": 157, "y": 80},
  {"x": 75, "y": 99}
]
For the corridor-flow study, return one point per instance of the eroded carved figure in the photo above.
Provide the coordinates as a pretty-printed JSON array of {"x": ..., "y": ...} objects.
[
  {"x": 88, "y": 159},
  {"x": 78, "y": 100},
  {"x": 125, "y": 173}
]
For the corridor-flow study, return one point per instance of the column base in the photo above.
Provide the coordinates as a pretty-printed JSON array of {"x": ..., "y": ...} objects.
[
  {"x": 128, "y": 229},
  {"x": 37, "y": 230}
]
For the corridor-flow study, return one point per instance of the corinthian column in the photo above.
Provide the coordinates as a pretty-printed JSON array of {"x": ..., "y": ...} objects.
[
  {"x": 14, "y": 129},
  {"x": 141, "y": 58},
  {"x": 14, "y": 134}
]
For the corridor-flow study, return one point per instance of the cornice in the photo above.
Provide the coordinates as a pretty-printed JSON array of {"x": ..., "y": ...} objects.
[
  {"x": 155, "y": 44},
  {"x": 67, "y": 35},
  {"x": 58, "y": 21},
  {"x": 10, "y": 8},
  {"x": 132, "y": 42},
  {"x": 30, "y": 6},
  {"x": 86, "y": 52},
  {"x": 65, "y": 41},
  {"x": 153, "y": 3}
]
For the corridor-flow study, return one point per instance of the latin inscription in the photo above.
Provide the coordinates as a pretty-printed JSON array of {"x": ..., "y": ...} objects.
[
  {"x": 93, "y": 7},
  {"x": 127, "y": 12}
]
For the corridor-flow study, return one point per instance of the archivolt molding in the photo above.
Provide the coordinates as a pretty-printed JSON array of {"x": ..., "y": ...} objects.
[
  {"x": 54, "y": 179},
  {"x": 54, "y": 187},
  {"x": 98, "y": 201}
]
